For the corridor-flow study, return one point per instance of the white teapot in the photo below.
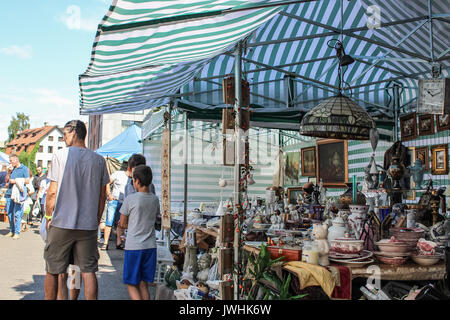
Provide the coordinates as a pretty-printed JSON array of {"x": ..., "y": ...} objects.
[{"x": 338, "y": 229}]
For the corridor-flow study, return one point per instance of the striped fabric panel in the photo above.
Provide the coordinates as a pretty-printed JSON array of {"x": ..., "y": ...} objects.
[
  {"x": 136, "y": 68},
  {"x": 267, "y": 86},
  {"x": 203, "y": 177}
]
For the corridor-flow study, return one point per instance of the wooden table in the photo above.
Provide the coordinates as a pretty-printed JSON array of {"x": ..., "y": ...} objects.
[{"x": 410, "y": 271}]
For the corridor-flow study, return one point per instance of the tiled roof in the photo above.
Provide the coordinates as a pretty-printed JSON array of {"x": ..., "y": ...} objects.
[{"x": 28, "y": 138}]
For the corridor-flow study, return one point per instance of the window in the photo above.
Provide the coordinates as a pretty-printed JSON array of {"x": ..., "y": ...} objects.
[
  {"x": 49, "y": 162},
  {"x": 26, "y": 148},
  {"x": 50, "y": 138},
  {"x": 39, "y": 163},
  {"x": 59, "y": 148},
  {"x": 60, "y": 139},
  {"x": 50, "y": 149},
  {"x": 41, "y": 149}
]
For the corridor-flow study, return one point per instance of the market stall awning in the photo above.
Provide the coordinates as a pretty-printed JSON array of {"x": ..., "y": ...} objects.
[
  {"x": 124, "y": 145},
  {"x": 147, "y": 52}
]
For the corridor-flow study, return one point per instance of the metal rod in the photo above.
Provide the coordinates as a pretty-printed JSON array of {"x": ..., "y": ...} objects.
[
  {"x": 186, "y": 145},
  {"x": 291, "y": 73},
  {"x": 350, "y": 34},
  {"x": 430, "y": 28},
  {"x": 268, "y": 68},
  {"x": 374, "y": 64},
  {"x": 237, "y": 166}
]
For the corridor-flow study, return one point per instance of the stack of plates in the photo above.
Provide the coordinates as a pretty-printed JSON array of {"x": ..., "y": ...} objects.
[{"x": 351, "y": 260}]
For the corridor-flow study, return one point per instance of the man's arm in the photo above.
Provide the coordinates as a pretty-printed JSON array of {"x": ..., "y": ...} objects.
[
  {"x": 50, "y": 200},
  {"x": 101, "y": 204}
]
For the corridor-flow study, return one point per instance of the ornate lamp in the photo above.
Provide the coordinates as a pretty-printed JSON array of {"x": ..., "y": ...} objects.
[{"x": 338, "y": 117}]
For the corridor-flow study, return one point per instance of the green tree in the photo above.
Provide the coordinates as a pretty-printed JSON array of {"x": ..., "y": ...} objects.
[
  {"x": 18, "y": 123},
  {"x": 29, "y": 159}
]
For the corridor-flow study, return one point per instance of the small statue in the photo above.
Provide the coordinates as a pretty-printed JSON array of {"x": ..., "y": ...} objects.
[
  {"x": 320, "y": 233},
  {"x": 316, "y": 195},
  {"x": 204, "y": 262},
  {"x": 190, "y": 260},
  {"x": 277, "y": 221}
]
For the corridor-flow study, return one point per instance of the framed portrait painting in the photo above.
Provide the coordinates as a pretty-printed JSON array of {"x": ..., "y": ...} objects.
[
  {"x": 426, "y": 124},
  {"x": 332, "y": 162},
  {"x": 291, "y": 168},
  {"x": 308, "y": 165},
  {"x": 408, "y": 127},
  {"x": 439, "y": 159},
  {"x": 422, "y": 154},
  {"x": 442, "y": 122}
]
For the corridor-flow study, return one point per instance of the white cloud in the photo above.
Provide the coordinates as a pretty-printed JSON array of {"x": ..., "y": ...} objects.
[
  {"x": 22, "y": 52},
  {"x": 74, "y": 20}
]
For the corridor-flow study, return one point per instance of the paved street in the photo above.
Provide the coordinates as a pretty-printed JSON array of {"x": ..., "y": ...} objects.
[{"x": 22, "y": 268}]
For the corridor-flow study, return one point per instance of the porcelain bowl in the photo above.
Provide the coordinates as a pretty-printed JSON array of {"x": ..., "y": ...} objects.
[
  {"x": 424, "y": 260},
  {"x": 347, "y": 245},
  {"x": 407, "y": 234},
  {"x": 397, "y": 261},
  {"x": 399, "y": 247}
]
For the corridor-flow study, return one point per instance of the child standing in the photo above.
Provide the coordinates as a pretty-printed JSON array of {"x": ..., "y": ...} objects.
[{"x": 138, "y": 215}]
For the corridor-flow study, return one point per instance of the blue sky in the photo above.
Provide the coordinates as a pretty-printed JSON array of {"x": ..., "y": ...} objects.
[{"x": 44, "y": 46}]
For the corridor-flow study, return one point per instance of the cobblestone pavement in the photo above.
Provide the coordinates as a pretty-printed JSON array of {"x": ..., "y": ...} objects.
[{"x": 22, "y": 268}]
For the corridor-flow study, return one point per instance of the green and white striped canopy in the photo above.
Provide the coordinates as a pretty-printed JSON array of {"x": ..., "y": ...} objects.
[{"x": 148, "y": 51}]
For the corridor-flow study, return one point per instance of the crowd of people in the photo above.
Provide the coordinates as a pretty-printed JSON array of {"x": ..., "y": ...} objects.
[{"x": 69, "y": 200}]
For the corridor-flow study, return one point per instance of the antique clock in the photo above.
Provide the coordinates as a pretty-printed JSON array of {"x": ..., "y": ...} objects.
[{"x": 434, "y": 96}]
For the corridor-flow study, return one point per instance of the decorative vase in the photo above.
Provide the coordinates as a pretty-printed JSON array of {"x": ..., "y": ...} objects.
[
  {"x": 396, "y": 171},
  {"x": 357, "y": 219},
  {"x": 347, "y": 196},
  {"x": 417, "y": 171}
]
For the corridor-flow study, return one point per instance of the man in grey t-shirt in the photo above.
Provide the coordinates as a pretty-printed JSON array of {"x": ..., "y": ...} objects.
[{"x": 74, "y": 204}]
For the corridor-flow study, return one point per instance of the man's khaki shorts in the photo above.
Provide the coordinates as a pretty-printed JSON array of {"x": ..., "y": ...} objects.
[{"x": 63, "y": 244}]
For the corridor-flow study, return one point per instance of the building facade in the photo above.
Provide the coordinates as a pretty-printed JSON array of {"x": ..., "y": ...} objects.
[{"x": 49, "y": 139}]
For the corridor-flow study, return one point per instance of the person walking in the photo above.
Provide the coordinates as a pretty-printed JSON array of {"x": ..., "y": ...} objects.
[
  {"x": 38, "y": 177},
  {"x": 28, "y": 203},
  {"x": 138, "y": 215},
  {"x": 74, "y": 204},
  {"x": 17, "y": 174},
  {"x": 115, "y": 192}
]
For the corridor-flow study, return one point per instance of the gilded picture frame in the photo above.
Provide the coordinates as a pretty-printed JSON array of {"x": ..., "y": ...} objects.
[
  {"x": 439, "y": 159},
  {"x": 308, "y": 159},
  {"x": 332, "y": 162}
]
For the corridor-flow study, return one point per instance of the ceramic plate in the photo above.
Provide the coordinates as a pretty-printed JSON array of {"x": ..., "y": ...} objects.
[
  {"x": 352, "y": 263},
  {"x": 350, "y": 257},
  {"x": 357, "y": 263}
]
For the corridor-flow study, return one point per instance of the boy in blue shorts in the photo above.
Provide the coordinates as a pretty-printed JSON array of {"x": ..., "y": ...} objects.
[{"x": 138, "y": 215}]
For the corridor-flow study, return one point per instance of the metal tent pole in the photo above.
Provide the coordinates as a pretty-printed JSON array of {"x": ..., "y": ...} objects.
[
  {"x": 186, "y": 144},
  {"x": 237, "y": 165},
  {"x": 170, "y": 162}
]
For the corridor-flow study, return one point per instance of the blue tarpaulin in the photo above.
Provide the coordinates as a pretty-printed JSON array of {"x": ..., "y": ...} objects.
[
  {"x": 4, "y": 158},
  {"x": 124, "y": 145}
]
